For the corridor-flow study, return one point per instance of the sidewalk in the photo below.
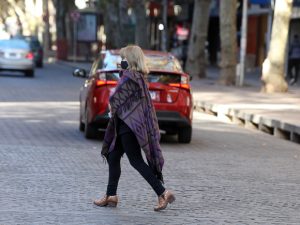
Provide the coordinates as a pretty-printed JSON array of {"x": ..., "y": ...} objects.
[{"x": 277, "y": 114}]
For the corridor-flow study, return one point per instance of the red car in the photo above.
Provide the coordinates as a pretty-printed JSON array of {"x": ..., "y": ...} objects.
[{"x": 169, "y": 89}]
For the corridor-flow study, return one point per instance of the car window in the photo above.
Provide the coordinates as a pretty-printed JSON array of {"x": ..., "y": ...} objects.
[
  {"x": 32, "y": 40},
  {"x": 18, "y": 44},
  {"x": 115, "y": 76},
  {"x": 166, "y": 63},
  {"x": 93, "y": 68},
  {"x": 111, "y": 62},
  {"x": 35, "y": 44},
  {"x": 164, "y": 78},
  {"x": 154, "y": 62},
  {"x": 96, "y": 65}
]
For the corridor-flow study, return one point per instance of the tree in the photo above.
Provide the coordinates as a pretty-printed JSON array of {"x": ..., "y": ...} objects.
[
  {"x": 17, "y": 11},
  {"x": 125, "y": 22},
  {"x": 273, "y": 66},
  {"x": 46, "y": 32},
  {"x": 115, "y": 21},
  {"x": 4, "y": 14},
  {"x": 141, "y": 31},
  {"x": 228, "y": 10},
  {"x": 196, "y": 62},
  {"x": 63, "y": 7},
  {"x": 118, "y": 22},
  {"x": 111, "y": 26}
]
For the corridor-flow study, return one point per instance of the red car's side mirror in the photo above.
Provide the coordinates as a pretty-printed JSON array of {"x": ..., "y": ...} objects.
[{"x": 80, "y": 73}]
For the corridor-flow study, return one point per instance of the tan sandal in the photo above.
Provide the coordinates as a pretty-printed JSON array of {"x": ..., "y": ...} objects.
[
  {"x": 163, "y": 200},
  {"x": 110, "y": 201}
]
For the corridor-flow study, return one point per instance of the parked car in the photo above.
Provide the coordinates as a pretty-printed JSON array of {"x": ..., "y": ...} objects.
[
  {"x": 35, "y": 47},
  {"x": 169, "y": 89},
  {"x": 16, "y": 55}
]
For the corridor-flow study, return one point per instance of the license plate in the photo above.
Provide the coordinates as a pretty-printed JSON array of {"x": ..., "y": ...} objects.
[{"x": 153, "y": 95}]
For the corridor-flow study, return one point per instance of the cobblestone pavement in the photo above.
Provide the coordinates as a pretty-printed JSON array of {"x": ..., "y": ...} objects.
[{"x": 49, "y": 174}]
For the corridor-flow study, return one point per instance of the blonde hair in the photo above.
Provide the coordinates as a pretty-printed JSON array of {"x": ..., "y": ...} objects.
[{"x": 135, "y": 58}]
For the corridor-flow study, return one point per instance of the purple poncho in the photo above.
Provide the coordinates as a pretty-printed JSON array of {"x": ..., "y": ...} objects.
[{"x": 132, "y": 103}]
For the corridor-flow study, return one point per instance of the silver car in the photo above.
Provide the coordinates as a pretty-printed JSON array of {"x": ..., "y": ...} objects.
[{"x": 15, "y": 55}]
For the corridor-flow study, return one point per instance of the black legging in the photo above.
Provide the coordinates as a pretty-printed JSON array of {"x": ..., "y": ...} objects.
[{"x": 128, "y": 143}]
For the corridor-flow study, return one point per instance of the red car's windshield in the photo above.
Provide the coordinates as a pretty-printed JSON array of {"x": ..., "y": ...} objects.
[{"x": 154, "y": 62}]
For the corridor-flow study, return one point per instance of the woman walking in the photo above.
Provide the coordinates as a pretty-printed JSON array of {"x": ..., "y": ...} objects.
[{"x": 133, "y": 126}]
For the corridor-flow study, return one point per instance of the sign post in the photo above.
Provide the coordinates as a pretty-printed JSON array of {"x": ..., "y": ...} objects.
[{"x": 75, "y": 15}]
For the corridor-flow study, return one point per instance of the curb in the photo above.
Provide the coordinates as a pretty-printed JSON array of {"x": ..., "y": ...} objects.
[{"x": 273, "y": 127}]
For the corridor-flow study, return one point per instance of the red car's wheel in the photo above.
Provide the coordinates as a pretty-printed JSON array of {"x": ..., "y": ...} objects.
[
  {"x": 185, "y": 135},
  {"x": 90, "y": 131},
  {"x": 81, "y": 124}
]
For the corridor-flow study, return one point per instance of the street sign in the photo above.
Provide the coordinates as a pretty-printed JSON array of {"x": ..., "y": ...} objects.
[{"x": 75, "y": 15}]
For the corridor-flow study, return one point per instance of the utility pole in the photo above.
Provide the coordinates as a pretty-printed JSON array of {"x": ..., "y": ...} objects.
[
  {"x": 46, "y": 36},
  {"x": 241, "y": 73}
]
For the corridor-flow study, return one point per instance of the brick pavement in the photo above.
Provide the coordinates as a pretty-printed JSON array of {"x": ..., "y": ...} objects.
[{"x": 228, "y": 175}]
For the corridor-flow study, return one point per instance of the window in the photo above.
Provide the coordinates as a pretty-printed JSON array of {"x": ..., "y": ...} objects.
[{"x": 96, "y": 65}]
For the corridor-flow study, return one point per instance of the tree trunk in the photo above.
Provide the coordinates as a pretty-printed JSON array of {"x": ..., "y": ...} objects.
[
  {"x": 70, "y": 7},
  {"x": 228, "y": 41},
  {"x": 196, "y": 62},
  {"x": 273, "y": 66},
  {"x": 20, "y": 25},
  {"x": 61, "y": 42},
  {"x": 46, "y": 33},
  {"x": 111, "y": 24},
  {"x": 126, "y": 35},
  {"x": 142, "y": 24},
  {"x": 60, "y": 19}
]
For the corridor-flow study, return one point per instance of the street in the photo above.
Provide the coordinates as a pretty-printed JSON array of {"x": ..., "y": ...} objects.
[{"x": 50, "y": 173}]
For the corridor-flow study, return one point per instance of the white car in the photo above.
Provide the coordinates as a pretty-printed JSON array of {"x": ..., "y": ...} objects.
[{"x": 15, "y": 55}]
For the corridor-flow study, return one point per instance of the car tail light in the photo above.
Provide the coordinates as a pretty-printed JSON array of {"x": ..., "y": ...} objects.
[
  {"x": 102, "y": 80},
  {"x": 29, "y": 55},
  {"x": 175, "y": 85},
  {"x": 184, "y": 83},
  {"x": 100, "y": 83}
]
